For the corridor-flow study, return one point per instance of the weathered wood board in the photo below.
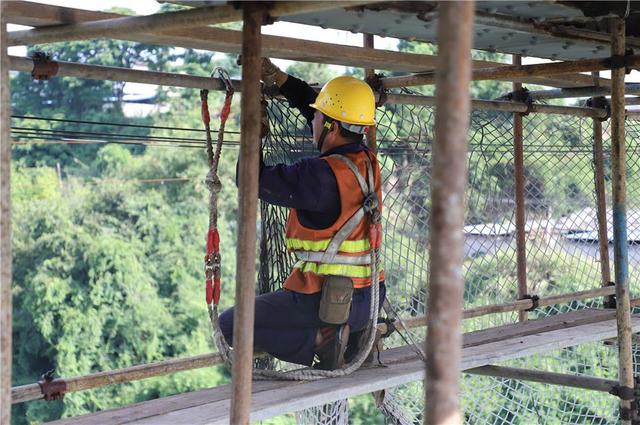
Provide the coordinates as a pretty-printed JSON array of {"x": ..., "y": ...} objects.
[{"x": 272, "y": 398}]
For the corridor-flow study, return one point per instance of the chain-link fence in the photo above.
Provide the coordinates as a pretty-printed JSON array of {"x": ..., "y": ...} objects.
[{"x": 561, "y": 237}]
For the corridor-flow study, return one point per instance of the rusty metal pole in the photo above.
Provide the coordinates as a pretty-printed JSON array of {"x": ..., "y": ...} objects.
[
  {"x": 243, "y": 319},
  {"x": 618, "y": 160},
  {"x": 601, "y": 201},
  {"x": 367, "y": 43},
  {"x": 372, "y": 143},
  {"x": 5, "y": 226},
  {"x": 518, "y": 165},
  {"x": 449, "y": 179}
]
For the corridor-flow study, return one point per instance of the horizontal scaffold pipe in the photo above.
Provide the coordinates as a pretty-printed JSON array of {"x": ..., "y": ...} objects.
[
  {"x": 515, "y": 71},
  {"x": 501, "y": 105},
  {"x": 630, "y": 88},
  {"x": 519, "y": 305},
  {"x": 210, "y": 15},
  {"x": 111, "y": 73},
  {"x": 633, "y": 115},
  {"x": 33, "y": 391},
  {"x": 97, "y": 72},
  {"x": 565, "y": 380}
]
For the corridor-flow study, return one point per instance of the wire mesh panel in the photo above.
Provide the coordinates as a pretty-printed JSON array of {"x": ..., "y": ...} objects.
[{"x": 561, "y": 246}]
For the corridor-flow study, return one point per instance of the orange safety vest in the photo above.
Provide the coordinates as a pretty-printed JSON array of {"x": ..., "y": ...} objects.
[{"x": 329, "y": 251}]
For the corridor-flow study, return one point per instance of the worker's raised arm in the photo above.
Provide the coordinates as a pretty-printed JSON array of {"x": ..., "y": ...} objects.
[{"x": 299, "y": 94}]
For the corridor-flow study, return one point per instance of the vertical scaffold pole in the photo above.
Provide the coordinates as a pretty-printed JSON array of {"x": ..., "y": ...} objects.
[
  {"x": 449, "y": 179},
  {"x": 244, "y": 313},
  {"x": 601, "y": 200},
  {"x": 367, "y": 42},
  {"x": 518, "y": 166},
  {"x": 5, "y": 225},
  {"x": 618, "y": 160}
]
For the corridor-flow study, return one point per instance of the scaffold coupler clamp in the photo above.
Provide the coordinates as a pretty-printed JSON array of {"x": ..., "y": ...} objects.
[
  {"x": 535, "y": 300},
  {"x": 52, "y": 388},
  {"x": 600, "y": 102},
  {"x": 632, "y": 395},
  {"x": 375, "y": 82},
  {"x": 610, "y": 301},
  {"x": 522, "y": 96},
  {"x": 43, "y": 67},
  {"x": 621, "y": 61}
]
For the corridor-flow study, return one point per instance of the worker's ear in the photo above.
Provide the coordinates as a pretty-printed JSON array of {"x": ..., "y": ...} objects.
[{"x": 334, "y": 126}]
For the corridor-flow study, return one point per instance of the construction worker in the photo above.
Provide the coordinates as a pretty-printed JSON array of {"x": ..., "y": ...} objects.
[{"x": 323, "y": 193}]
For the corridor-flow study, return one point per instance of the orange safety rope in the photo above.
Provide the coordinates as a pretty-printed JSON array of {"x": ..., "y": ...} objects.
[{"x": 212, "y": 257}]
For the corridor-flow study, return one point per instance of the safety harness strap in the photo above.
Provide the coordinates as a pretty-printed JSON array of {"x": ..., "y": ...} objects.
[
  {"x": 354, "y": 169},
  {"x": 367, "y": 189}
]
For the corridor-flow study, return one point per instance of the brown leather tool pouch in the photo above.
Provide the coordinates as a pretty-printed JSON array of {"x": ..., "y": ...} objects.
[{"x": 335, "y": 303}]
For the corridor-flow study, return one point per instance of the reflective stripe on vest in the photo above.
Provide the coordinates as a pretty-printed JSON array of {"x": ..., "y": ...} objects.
[
  {"x": 334, "y": 269},
  {"x": 318, "y": 257},
  {"x": 350, "y": 247}
]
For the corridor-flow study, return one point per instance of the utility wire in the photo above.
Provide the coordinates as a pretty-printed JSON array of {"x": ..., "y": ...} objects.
[{"x": 107, "y": 123}]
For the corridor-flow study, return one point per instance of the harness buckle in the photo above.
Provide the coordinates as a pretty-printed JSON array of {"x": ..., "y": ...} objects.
[{"x": 370, "y": 203}]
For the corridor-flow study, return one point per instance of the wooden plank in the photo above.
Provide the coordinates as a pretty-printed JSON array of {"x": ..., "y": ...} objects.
[
  {"x": 308, "y": 394},
  {"x": 513, "y": 348},
  {"x": 271, "y": 398},
  {"x": 167, "y": 405},
  {"x": 574, "y": 318},
  {"x": 228, "y": 41}
]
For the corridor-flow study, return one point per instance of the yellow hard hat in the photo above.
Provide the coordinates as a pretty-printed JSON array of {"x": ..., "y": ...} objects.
[{"x": 348, "y": 100}]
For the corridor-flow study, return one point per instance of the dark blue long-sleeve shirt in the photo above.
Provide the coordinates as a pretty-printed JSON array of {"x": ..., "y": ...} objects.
[{"x": 309, "y": 185}]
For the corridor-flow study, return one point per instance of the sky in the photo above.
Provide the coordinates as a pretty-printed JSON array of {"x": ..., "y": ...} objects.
[{"x": 145, "y": 7}]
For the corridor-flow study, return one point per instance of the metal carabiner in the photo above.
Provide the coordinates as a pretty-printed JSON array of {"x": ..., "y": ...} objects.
[{"x": 224, "y": 76}]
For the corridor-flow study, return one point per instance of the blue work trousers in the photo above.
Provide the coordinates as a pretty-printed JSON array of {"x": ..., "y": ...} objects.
[{"x": 286, "y": 322}]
